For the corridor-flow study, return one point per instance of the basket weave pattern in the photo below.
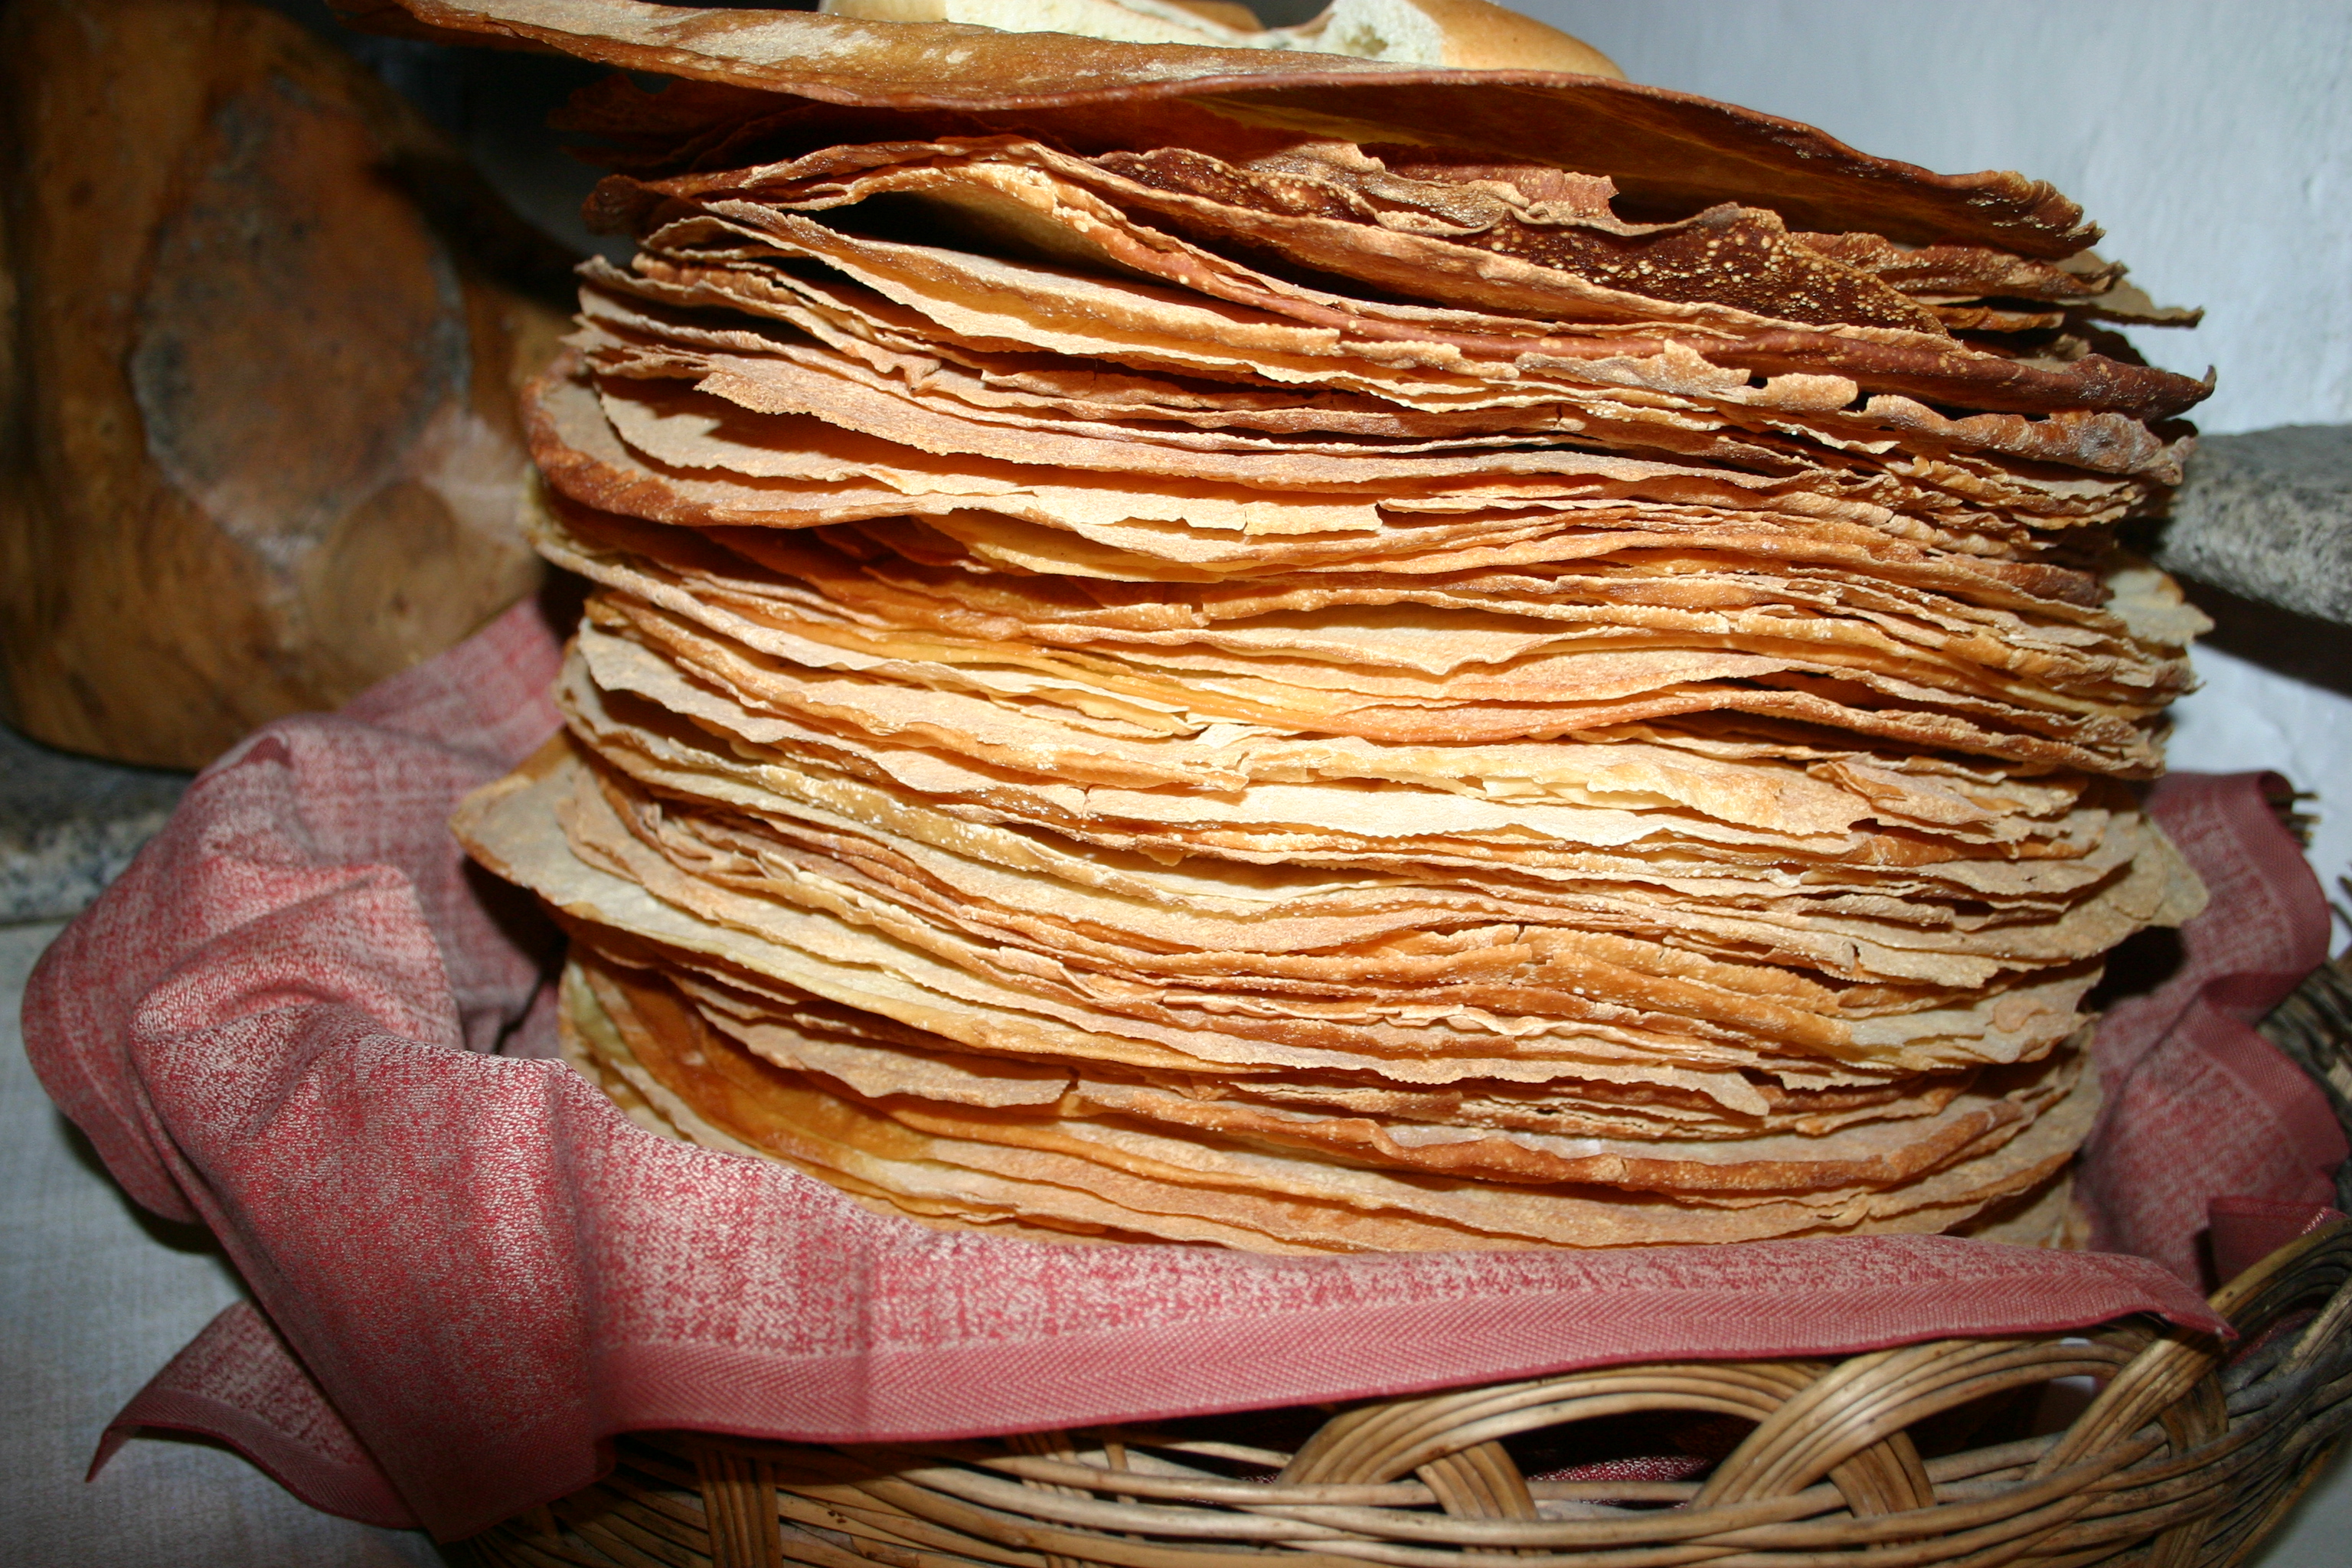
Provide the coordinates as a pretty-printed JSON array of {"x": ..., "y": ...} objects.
[
  {"x": 2187, "y": 1455},
  {"x": 2313, "y": 1028}
]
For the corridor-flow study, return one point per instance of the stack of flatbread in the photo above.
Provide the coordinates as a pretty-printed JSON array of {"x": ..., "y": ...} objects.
[{"x": 1250, "y": 677}]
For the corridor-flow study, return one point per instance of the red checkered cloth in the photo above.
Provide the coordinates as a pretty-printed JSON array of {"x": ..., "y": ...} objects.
[{"x": 302, "y": 1017}]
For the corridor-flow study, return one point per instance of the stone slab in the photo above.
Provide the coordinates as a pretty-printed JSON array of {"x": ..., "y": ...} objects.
[
  {"x": 2268, "y": 515},
  {"x": 69, "y": 825}
]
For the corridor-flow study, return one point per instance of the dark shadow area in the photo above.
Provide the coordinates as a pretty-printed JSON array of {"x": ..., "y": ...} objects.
[
  {"x": 561, "y": 597},
  {"x": 2302, "y": 647},
  {"x": 2144, "y": 962},
  {"x": 494, "y": 105},
  {"x": 178, "y": 1236},
  {"x": 476, "y": 223},
  {"x": 1667, "y": 1445},
  {"x": 520, "y": 917},
  {"x": 2209, "y": 1273}
]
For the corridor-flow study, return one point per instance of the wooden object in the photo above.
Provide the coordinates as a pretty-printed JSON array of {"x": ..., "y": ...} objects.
[
  {"x": 2185, "y": 1456},
  {"x": 258, "y": 446}
]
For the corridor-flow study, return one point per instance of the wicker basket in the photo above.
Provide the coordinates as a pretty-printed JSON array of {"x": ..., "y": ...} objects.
[
  {"x": 1912, "y": 1457},
  {"x": 2182, "y": 1457},
  {"x": 2313, "y": 1028}
]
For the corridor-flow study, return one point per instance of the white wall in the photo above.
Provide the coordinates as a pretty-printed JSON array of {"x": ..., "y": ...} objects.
[{"x": 2213, "y": 141}]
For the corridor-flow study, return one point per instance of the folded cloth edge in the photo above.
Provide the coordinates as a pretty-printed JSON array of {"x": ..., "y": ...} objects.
[{"x": 238, "y": 1384}]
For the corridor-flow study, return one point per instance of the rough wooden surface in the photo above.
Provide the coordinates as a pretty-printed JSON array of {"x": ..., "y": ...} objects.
[{"x": 257, "y": 442}]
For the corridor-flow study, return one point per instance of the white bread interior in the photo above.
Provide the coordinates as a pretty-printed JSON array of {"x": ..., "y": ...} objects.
[{"x": 1465, "y": 35}]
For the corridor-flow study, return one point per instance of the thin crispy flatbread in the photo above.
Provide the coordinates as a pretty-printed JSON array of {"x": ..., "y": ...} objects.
[
  {"x": 1100, "y": 1174},
  {"x": 1289, "y": 654}
]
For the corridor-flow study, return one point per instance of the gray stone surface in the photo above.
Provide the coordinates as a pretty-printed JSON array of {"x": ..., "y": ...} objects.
[
  {"x": 69, "y": 825},
  {"x": 2268, "y": 515}
]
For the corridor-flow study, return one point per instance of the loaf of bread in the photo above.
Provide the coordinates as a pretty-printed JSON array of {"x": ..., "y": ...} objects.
[{"x": 1470, "y": 35}]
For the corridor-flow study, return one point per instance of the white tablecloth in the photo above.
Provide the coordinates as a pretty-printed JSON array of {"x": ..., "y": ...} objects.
[{"x": 96, "y": 1295}]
